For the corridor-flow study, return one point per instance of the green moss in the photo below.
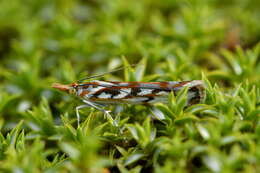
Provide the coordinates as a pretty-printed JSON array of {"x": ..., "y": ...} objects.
[{"x": 46, "y": 41}]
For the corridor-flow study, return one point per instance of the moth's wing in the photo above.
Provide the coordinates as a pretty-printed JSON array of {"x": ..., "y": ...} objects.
[{"x": 139, "y": 88}]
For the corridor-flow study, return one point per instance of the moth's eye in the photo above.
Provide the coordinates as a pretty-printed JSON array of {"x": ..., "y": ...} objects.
[{"x": 72, "y": 91}]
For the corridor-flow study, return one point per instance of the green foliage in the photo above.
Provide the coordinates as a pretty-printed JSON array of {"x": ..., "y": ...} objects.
[{"x": 46, "y": 41}]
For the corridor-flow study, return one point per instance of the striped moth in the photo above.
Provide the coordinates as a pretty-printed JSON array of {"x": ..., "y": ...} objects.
[{"x": 97, "y": 93}]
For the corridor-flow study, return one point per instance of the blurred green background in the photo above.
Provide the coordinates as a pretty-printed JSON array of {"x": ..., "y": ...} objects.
[{"x": 48, "y": 41}]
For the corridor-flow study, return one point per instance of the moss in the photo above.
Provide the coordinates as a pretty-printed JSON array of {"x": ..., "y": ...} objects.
[{"x": 42, "y": 42}]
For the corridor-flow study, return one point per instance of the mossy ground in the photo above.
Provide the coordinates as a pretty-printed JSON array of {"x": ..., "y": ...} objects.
[{"x": 48, "y": 41}]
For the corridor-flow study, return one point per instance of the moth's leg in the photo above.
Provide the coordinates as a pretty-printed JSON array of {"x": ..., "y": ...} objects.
[
  {"x": 77, "y": 112},
  {"x": 84, "y": 106},
  {"x": 98, "y": 104},
  {"x": 106, "y": 112}
]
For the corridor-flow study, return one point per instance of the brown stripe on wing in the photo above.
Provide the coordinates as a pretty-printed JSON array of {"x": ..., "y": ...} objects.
[
  {"x": 180, "y": 84},
  {"x": 145, "y": 85},
  {"x": 84, "y": 92}
]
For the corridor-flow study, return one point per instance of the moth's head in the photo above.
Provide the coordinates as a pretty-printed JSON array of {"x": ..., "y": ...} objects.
[{"x": 71, "y": 89}]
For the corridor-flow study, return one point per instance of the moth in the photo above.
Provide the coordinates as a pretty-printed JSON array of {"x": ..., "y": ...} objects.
[{"x": 99, "y": 93}]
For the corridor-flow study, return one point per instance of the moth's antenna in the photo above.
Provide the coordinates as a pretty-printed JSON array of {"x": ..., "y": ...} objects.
[{"x": 102, "y": 74}]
